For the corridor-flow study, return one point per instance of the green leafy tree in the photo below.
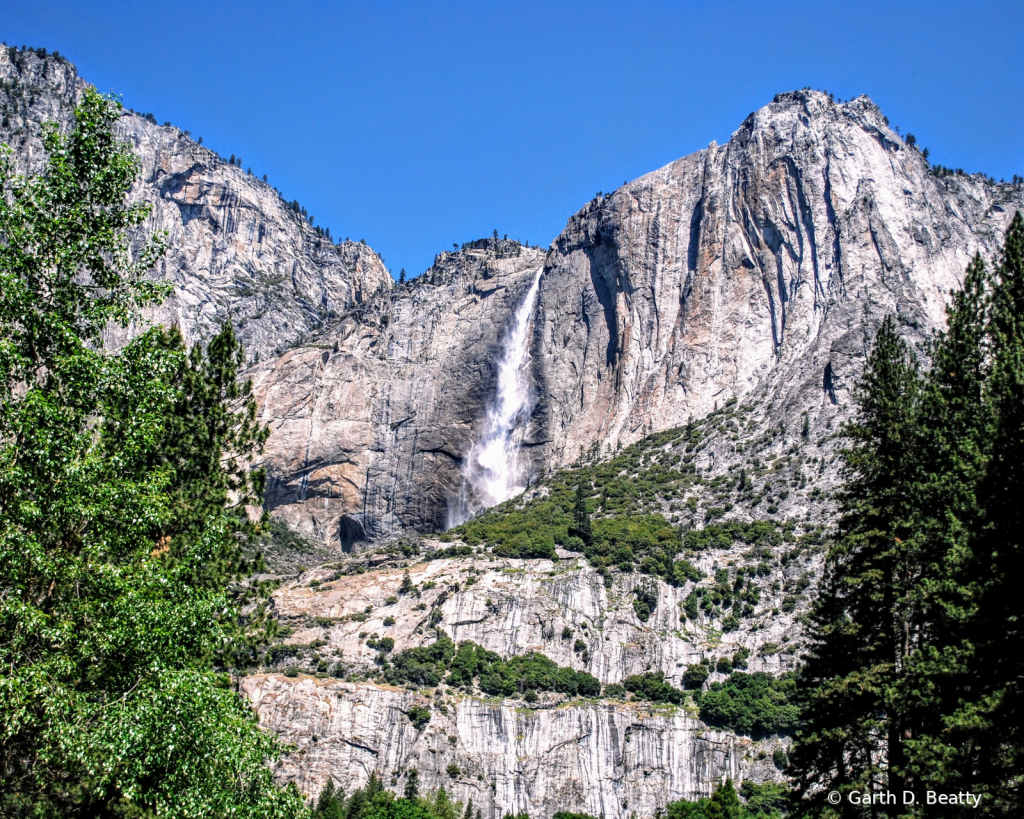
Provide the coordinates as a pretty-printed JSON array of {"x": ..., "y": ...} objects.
[{"x": 109, "y": 705}]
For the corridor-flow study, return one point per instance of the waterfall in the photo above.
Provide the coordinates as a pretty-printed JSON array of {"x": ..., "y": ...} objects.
[{"x": 493, "y": 471}]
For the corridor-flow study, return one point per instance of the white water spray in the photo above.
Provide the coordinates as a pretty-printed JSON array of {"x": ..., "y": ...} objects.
[{"x": 494, "y": 472}]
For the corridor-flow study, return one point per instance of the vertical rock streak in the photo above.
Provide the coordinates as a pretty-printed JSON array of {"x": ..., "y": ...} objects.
[{"x": 494, "y": 471}]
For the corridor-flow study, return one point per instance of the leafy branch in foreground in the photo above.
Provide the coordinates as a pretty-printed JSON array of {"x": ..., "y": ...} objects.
[{"x": 117, "y": 536}]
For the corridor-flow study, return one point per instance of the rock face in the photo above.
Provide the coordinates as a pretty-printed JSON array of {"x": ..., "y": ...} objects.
[
  {"x": 512, "y": 755},
  {"x": 513, "y": 607},
  {"x": 234, "y": 245},
  {"x": 371, "y": 425},
  {"x": 758, "y": 268},
  {"x": 594, "y": 758},
  {"x": 755, "y": 269}
]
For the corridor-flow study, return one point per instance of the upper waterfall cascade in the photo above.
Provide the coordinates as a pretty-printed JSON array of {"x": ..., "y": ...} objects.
[{"x": 494, "y": 470}]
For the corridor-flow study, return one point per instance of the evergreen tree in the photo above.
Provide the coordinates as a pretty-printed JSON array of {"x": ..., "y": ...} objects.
[
  {"x": 914, "y": 678},
  {"x": 724, "y": 803},
  {"x": 444, "y": 807},
  {"x": 955, "y": 434},
  {"x": 864, "y": 622},
  {"x": 581, "y": 518},
  {"x": 412, "y": 784},
  {"x": 330, "y": 804},
  {"x": 997, "y": 624}
]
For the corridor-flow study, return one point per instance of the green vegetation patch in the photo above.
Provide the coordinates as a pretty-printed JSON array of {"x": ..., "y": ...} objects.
[
  {"x": 611, "y": 512},
  {"x": 723, "y": 535},
  {"x": 469, "y": 662},
  {"x": 767, "y": 801},
  {"x": 652, "y": 686},
  {"x": 756, "y": 704}
]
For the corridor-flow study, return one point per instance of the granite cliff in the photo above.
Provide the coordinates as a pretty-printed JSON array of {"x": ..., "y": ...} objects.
[
  {"x": 735, "y": 292},
  {"x": 510, "y": 755},
  {"x": 235, "y": 247},
  {"x": 755, "y": 270}
]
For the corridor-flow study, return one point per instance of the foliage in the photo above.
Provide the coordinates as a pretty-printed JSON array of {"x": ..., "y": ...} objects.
[
  {"x": 117, "y": 539},
  {"x": 695, "y": 676},
  {"x": 419, "y": 716},
  {"x": 373, "y": 801},
  {"x": 723, "y": 804},
  {"x": 723, "y": 535},
  {"x": 863, "y": 610},
  {"x": 429, "y": 665},
  {"x": 423, "y": 665},
  {"x": 606, "y": 511},
  {"x": 581, "y": 525},
  {"x": 535, "y": 672},
  {"x": 651, "y": 686},
  {"x": 915, "y": 668},
  {"x": 755, "y": 705},
  {"x": 645, "y": 601},
  {"x": 768, "y": 800},
  {"x": 600, "y": 509}
]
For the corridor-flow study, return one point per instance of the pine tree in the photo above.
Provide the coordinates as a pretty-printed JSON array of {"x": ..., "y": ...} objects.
[
  {"x": 964, "y": 688},
  {"x": 581, "y": 518},
  {"x": 412, "y": 784},
  {"x": 997, "y": 627},
  {"x": 331, "y": 803},
  {"x": 915, "y": 674},
  {"x": 724, "y": 803},
  {"x": 955, "y": 434},
  {"x": 864, "y": 623}
]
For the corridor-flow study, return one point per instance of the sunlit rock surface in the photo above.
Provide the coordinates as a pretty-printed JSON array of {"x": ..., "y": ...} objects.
[
  {"x": 600, "y": 758},
  {"x": 233, "y": 246},
  {"x": 516, "y": 606},
  {"x": 758, "y": 269}
]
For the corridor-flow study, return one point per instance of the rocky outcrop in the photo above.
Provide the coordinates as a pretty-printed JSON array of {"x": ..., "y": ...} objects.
[
  {"x": 563, "y": 610},
  {"x": 371, "y": 424},
  {"x": 596, "y": 758},
  {"x": 515, "y": 755},
  {"x": 758, "y": 269},
  {"x": 235, "y": 247}
]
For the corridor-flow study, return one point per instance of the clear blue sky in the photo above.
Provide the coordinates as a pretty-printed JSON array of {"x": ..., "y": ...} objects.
[{"x": 416, "y": 125}]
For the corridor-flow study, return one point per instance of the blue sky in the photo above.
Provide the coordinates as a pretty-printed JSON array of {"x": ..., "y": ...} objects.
[{"x": 418, "y": 125}]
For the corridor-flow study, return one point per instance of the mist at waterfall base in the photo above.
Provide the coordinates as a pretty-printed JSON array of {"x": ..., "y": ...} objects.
[{"x": 494, "y": 470}]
